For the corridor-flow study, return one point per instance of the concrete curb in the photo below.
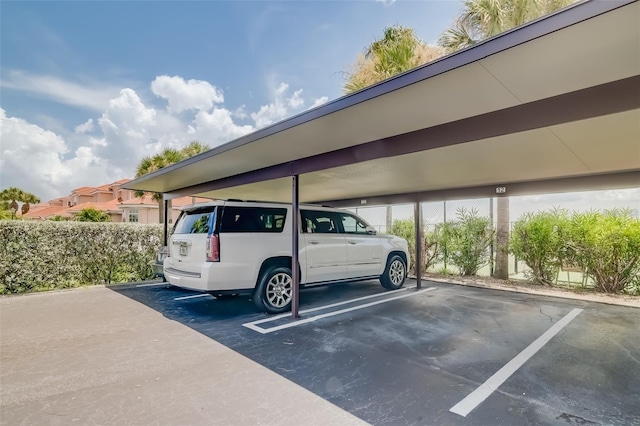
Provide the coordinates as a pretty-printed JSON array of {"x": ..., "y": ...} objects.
[{"x": 619, "y": 300}]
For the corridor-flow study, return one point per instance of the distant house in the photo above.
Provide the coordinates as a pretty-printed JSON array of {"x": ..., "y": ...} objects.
[{"x": 120, "y": 204}]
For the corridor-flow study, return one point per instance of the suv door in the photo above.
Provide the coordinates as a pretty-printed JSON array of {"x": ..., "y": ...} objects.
[
  {"x": 364, "y": 250},
  {"x": 324, "y": 245}
]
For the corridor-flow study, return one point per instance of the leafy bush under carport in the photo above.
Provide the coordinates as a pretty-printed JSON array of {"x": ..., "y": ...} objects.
[
  {"x": 38, "y": 256},
  {"x": 604, "y": 245}
]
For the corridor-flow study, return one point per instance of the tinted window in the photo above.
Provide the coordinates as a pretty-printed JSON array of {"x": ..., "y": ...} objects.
[
  {"x": 252, "y": 219},
  {"x": 353, "y": 225},
  {"x": 319, "y": 222},
  {"x": 196, "y": 221}
]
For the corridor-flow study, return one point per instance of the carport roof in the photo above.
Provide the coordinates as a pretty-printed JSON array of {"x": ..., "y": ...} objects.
[{"x": 553, "y": 104}]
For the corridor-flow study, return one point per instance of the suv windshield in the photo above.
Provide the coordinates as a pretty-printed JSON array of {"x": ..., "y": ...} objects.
[{"x": 196, "y": 221}]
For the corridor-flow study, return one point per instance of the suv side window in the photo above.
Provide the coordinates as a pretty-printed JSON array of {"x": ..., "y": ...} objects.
[
  {"x": 353, "y": 225},
  {"x": 252, "y": 219},
  {"x": 197, "y": 221},
  {"x": 319, "y": 222}
]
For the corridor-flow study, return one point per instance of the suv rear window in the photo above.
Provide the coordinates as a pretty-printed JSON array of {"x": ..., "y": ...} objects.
[
  {"x": 252, "y": 219},
  {"x": 197, "y": 221}
]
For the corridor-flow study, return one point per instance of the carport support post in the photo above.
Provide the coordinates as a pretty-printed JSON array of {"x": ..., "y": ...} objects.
[
  {"x": 295, "y": 276},
  {"x": 417, "y": 214},
  {"x": 166, "y": 221}
]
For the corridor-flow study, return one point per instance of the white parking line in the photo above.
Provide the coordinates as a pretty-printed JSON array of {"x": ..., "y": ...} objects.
[
  {"x": 253, "y": 325},
  {"x": 192, "y": 297},
  {"x": 151, "y": 284},
  {"x": 333, "y": 305},
  {"x": 476, "y": 397}
]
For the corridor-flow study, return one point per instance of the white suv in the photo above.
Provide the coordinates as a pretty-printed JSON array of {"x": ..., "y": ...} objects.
[{"x": 238, "y": 247}]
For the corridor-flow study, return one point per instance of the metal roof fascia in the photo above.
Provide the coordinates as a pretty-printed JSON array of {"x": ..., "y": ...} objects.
[{"x": 608, "y": 98}]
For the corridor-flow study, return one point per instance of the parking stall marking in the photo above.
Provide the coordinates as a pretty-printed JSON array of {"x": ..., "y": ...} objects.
[
  {"x": 152, "y": 285},
  {"x": 475, "y": 398},
  {"x": 192, "y": 297},
  {"x": 254, "y": 324}
]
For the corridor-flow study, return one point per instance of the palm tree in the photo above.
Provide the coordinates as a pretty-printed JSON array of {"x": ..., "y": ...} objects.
[
  {"x": 28, "y": 198},
  {"x": 481, "y": 19},
  {"x": 398, "y": 50},
  {"x": 166, "y": 158},
  {"x": 92, "y": 215},
  {"x": 194, "y": 148},
  {"x": 14, "y": 195}
]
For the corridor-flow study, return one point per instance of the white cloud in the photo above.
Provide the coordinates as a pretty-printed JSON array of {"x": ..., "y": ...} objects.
[
  {"x": 33, "y": 159},
  {"x": 386, "y": 2},
  {"x": 85, "y": 127},
  {"x": 92, "y": 96},
  {"x": 108, "y": 146},
  {"x": 217, "y": 127},
  {"x": 319, "y": 101},
  {"x": 186, "y": 95},
  {"x": 295, "y": 101},
  {"x": 280, "y": 108}
]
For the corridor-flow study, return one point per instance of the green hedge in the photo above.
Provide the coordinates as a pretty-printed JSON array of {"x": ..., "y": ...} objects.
[
  {"x": 605, "y": 245},
  {"x": 38, "y": 256}
]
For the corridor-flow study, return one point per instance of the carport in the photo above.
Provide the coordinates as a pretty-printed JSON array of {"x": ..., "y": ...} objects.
[{"x": 552, "y": 106}]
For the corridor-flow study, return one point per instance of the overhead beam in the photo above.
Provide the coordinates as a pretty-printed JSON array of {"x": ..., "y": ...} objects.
[
  {"x": 610, "y": 98},
  {"x": 619, "y": 180}
]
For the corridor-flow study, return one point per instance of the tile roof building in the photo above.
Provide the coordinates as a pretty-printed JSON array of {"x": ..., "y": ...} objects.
[{"x": 120, "y": 204}]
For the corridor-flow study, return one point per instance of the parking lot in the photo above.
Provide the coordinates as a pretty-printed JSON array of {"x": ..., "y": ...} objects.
[{"x": 446, "y": 354}]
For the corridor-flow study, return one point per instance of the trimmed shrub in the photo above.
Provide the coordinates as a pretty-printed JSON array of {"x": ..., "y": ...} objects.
[
  {"x": 431, "y": 253},
  {"x": 38, "y": 256},
  {"x": 607, "y": 246},
  {"x": 538, "y": 239},
  {"x": 467, "y": 240}
]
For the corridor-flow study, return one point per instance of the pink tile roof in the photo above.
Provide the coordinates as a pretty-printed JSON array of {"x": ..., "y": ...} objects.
[
  {"x": 109, "y": 206},
  {"x": 45, "y": 212}
]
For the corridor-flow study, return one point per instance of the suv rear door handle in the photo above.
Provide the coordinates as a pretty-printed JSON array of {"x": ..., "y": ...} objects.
[
  {"x": 314, "y": 242},
  {"x": 352, "y": 242}
]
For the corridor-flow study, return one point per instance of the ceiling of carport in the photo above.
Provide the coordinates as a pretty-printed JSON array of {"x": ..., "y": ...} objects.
[{"x": 555, "y": 98}]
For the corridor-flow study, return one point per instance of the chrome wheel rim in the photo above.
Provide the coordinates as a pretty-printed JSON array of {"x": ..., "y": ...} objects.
[
  {"x": 396, "y": 272},
  {"x": 278, "y": 290}
]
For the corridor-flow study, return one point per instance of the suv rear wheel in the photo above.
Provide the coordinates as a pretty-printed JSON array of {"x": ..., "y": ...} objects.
[
  {"x": 395, "y": 273},
  {"x": 275, "y": 290}
]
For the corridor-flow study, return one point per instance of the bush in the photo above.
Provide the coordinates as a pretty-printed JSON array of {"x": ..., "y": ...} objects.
[
  {"x": 537, "y": 239},
  {"x": 607, "y": 246},
  {"x": 466, "y": 241},
  {"x": 431, "y": 253},
  {"x": 47, "y": 255}
]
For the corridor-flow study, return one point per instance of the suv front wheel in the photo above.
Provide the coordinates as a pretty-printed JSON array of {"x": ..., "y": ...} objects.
[
  {"x": 394, "y": 274},
  {"x": 275, "y": 290}
]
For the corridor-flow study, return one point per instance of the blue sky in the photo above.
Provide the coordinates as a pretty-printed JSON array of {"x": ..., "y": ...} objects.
[{"x": 89, "y": 88}]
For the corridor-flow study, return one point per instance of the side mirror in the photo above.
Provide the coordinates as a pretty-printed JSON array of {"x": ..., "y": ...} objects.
[{"x": 371, "y": 230}]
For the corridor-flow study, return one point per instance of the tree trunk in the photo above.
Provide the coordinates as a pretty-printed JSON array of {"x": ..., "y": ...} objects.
[
  {"x": 502, "y": 240},
  {"x": 389, "y": 218}
]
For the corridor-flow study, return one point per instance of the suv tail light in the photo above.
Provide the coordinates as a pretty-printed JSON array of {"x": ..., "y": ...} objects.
[{"x": 213, "y": 248}]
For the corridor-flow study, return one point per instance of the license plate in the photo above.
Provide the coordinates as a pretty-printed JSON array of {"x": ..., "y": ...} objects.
[{"x": 183, "y": 250}]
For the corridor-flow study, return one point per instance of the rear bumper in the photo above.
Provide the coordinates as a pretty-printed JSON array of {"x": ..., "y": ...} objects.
[{"x": 208, "y": 276}]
